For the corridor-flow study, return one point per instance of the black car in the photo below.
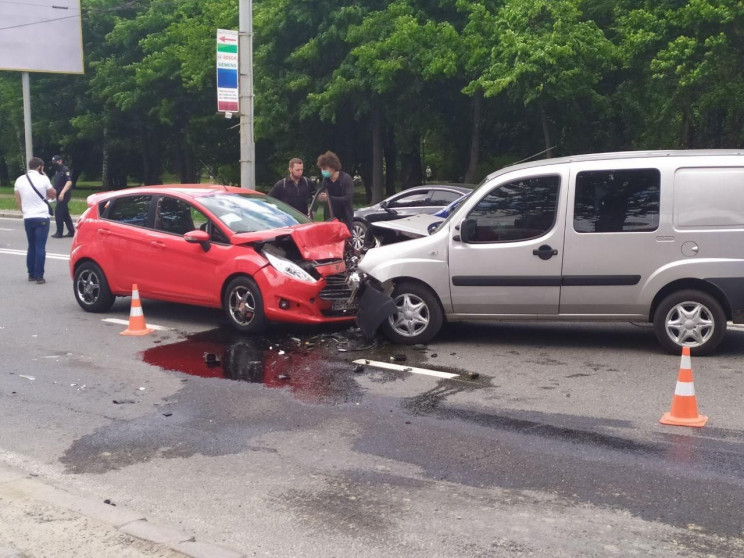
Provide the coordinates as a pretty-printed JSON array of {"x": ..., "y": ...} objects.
[{"x": 429, "y": 198}]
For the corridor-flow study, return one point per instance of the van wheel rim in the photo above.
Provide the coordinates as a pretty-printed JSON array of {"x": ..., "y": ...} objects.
[
  {"x": 242, "y": 305},
  {"x": 88, "y": 287},
  {"x": 357, "y": 236},
  {"x": 412, "y": 317},
  {"x": 690, "y": 324}
]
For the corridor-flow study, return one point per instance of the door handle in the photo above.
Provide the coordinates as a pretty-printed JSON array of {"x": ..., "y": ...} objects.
[
  {"x": 545, "y": 252},
  {"x": 104, "y": 232},
  {"x": 157, "y": 244}
]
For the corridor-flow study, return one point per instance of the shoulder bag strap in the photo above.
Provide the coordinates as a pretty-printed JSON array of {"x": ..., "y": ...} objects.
[{"x": 38, "y": 194}]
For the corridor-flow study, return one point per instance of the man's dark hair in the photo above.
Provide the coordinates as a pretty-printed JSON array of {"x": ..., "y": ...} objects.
[
  {"x": 295, "y": 161},
  {"x": 330, "y": 160},
  {"x": 34, "y": 163}
]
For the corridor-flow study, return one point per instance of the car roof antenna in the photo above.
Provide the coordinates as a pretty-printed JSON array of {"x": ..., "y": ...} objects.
[{"x": 536, "y": 154}]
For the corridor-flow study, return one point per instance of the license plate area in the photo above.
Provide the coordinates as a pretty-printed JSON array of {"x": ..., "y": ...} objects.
[{"x": 339, "y": 305}]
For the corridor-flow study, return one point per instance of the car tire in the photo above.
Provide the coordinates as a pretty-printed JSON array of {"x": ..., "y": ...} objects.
[
  {"x": 243, "y": 305},
  {"x": 358, "y": 235},
  {"x": 91, "y": 288},
  {"x": 419, "y": 317},
  {"x": 690, "y": 318}
]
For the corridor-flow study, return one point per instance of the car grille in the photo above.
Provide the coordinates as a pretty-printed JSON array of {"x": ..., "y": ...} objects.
[{"x": 336, "y": 288}]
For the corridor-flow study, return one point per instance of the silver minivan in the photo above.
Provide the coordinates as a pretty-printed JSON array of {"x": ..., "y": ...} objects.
[{"x": 639, "y": 236}]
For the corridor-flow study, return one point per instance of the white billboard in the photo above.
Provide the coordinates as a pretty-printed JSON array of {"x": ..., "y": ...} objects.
[{"x": 41, "y": 36}]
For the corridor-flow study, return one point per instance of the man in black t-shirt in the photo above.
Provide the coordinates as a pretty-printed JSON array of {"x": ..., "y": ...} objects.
[
  {"x": 63, "y": 186},
  {"x": 294, "y": 190},
  {"x": 339, "y": 188}
]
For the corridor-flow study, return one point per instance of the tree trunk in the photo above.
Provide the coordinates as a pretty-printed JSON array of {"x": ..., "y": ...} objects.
[
  {"x": 105, "y": 181},
  {"x": 377, "y": 180},
  {"x": 150, "y": 145},
  {"x": 410, "y": 172},
  {"x": 391, "y": 156},
  {"x": 471, "y": 174},
  {"x": 546, "y": 132},
  {"x": 4, "y": 174}
]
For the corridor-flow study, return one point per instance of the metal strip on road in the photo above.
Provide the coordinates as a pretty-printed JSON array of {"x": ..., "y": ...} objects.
[
  {"x": 411, "y": 369},
  {"x": 126, "y": 323},
  {"x": 51, "y": 256}
]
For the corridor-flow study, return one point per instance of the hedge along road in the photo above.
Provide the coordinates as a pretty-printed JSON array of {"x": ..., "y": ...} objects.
[{"x": 555, "y": 449}]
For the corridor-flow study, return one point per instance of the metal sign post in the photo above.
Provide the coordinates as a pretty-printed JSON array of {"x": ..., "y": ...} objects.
[
  {"x": 27, "y": 118},
  {"x": 247, "y": 143}
]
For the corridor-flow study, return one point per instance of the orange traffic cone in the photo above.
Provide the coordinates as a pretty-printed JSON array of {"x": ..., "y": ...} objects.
[
  {"x": 684, "y": 411},
  {"x": 137, "y": 325}
]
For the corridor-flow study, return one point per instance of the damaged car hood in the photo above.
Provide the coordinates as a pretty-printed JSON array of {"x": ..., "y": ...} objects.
[
  {"x": 415, "y": 226},
  {"x": 315, "y": 241}
]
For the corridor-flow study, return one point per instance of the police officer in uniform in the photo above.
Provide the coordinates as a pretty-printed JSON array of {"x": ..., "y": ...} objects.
[{"x": 63, "y": 186}]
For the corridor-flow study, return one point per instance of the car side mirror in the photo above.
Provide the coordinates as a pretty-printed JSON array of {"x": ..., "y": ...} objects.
[
  {"x": 468, "y": 230},
  {"x": 198, "y": 237},
  {"x": 384, "y": 205},
  {"x": 432, "y": 228}
]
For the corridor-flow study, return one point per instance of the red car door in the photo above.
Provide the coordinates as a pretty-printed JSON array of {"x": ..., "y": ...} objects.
[{"x": 183, "y": 271}]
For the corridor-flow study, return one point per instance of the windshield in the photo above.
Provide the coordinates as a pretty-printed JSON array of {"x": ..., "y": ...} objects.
[{"x": 252, "y": 212}]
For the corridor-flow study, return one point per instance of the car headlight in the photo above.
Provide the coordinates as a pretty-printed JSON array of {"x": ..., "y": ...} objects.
[{"x": 289, "y": 268}]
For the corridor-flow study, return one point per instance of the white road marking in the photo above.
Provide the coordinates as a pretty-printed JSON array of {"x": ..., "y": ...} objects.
[
  {"x": 126, "y": 323},
  {"x": 402, "y": 368},
  {"x": 7, "y": 229},
  {"x": 49, "y": 255}
]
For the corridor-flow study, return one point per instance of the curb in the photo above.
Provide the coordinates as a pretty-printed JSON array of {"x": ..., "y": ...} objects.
[{"x": 130, "y": 522}]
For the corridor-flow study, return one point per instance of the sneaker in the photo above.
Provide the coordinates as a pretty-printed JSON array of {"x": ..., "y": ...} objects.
[
  {"x": 55, "y": 235},
  {"x": 40, "y": 281},
  {"x": 31, "y": 278}
]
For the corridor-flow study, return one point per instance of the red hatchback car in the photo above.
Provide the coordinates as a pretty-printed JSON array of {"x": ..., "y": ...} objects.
[{"x": 254, "y": 256}]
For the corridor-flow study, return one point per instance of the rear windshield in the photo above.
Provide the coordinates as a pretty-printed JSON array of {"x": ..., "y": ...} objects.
[{"x": 252, "y": 212}]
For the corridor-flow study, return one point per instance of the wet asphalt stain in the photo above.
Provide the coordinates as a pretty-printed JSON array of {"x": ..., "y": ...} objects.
[
  {"x": 349, "y": 504},
  {"x": 648, "y": 479},
  {"x": 313, "y": 370},
  {"x": 222, "y": 420}
]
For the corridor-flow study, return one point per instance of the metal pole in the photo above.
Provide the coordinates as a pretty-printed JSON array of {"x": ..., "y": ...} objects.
[
  {"x": 247, "y": 143},
  {"x": 27, "y": 117}
]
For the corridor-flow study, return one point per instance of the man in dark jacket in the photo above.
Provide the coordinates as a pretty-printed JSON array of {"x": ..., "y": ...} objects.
[
  {"x": 63, "y": 186},
  {"x": 295, "y": 189},
  {"x": 339, "y": 188}
]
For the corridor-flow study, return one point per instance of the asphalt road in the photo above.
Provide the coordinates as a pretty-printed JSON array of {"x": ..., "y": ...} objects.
[{"x": 554, "y": 449}]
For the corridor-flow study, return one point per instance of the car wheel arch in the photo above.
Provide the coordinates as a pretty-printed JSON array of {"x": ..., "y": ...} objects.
[
  {"x": 390, "y": 284},
  {"x": 690, "y": 284}
]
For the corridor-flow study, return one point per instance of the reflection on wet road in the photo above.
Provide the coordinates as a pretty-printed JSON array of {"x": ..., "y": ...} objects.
[{"x": 301, "y": 365}]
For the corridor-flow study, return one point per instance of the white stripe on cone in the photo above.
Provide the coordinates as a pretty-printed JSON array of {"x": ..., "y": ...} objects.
[
  {"x": 686, "y": 362},
  {"x": 136, "y": 311},
  {"x": 685, "y": 388}
]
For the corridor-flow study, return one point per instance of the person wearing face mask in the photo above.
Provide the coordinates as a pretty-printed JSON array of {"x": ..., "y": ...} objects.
[
  {"x": 338, "y": 187},
  {"x": 63, "y": 187}
]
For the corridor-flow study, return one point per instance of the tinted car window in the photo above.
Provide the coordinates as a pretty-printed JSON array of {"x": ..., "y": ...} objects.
[
  {"x": 417, "y": 199},
  {"x": 617, "y": 201},
  {"x": 443, "y": 197},
  {"x": 252, "y": 212},
  {"x": 132, "y": 210},
  {"x": 176, "y": 216},
  {"x": 516, "y": 211}
]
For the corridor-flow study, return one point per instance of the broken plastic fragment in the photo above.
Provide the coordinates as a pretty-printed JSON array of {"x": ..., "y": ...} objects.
[{"x": 32, "y": 378}]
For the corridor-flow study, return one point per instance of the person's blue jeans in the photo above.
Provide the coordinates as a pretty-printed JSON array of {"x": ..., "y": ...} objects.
[{"x": 37, "y": 232}]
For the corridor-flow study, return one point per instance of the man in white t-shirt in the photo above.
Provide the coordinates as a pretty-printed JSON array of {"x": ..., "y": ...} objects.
[{"x": 32, "y": 190}]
